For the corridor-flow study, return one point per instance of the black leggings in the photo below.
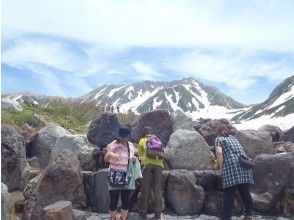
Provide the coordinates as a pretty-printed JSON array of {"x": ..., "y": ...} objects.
[
  {"x": 244, "y": 190},
  {"x": 114, "y": 195}
]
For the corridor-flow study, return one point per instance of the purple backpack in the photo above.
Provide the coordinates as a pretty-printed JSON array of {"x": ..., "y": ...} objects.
[{"x": 154, "y": 143}]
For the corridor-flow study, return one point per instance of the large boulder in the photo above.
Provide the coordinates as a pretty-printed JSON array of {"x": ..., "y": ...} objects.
[
  {"x": 179, "y": 118},
  {"x": 102, "y": 129},
  {"x": 77, "y": 144},
  {"x": 159, "y": 120},
  {"x": 96, "y": 186},
  {"x": 261, "y": 202},
  {"x": 13, "y": 157},
  {"x": 272, "y": 175},
  {"x": 5, "y": 196},
  {"x": 275, "y": 131},
  {"x": 207, "y": 128},
  {"x": 187, "y": 150},
  {"x": 288, "y": 135},
  {"x": 60, "y": 180},
  {"x": 44, "y": 142},
  {"x": 255, "y": 142},
  {"x": 210, "y": 180},
  {"x": 183, "y": 195}
]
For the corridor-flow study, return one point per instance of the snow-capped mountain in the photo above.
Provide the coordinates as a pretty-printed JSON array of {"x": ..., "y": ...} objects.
[
  {"x": 18, "y": 100},
  {"x": 277, "y": 109},
  {"x": 279, "y": 103},
  {"x": 188, "y": 95}
]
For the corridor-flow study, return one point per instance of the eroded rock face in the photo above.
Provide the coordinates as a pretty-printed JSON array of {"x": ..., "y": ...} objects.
[
  {"x": 13, "y": 157},
  {"x": 187, "y": 150},
  {"x": 60, "y": 180},
  {"x": 183, "y": 195},
  {"x": 159, "y": 120},
  {"x": 207, "y": 128},
  {"x": 77, "y": 144},
  {"x": 288, "y": 135},
  {"x": 272, "y": 175},
  {"x": 44, "y": 142},
  {"x": 102, "y": 129},
  {"x": 255, "y": 142}
]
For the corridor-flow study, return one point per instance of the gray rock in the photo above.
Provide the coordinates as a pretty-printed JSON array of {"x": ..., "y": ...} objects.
[
  {"x": 60, "y": 180},
  {"x": 187, "y": 150},
  {"x": 5, "y": 196},
  {"x": 60, "y": 210},
  {"x": 190, "y": 125},
  {"x": 272, "y": 129},
  {"x": 34, "y": 162},
  {"x": 37, "y": 120},
  {"x": 159, "y": 120},
  {"x": 44, "y": 142},
  {"x": 288, "y": 202},
  {"x": 273, "y": 174},
  {"x": 261, "y": 202},
  {"x": 28, "y": 174},
  {"x": 77, "y": 144},
  {"x": 184, "y": 196},
  {"x": 255, "y": 142},
  {"x": 210, "y": 180},
  {"x": 96, "y": 186},
  {"x": 214, "y": 204},
  {"x": 207, "y": 128},
  {"x": 102, "y": 129},
  {"x": 288, "y": 135},
  {"x": 179, "y": 118},
  {"x": 282, "y": 146},
  {"x": 13, "y": 157},
  {"x": 11, "y": 104}
]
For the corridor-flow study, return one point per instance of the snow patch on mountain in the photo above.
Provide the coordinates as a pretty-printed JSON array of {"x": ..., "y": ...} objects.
[
  {"x": 284, "y": 123},
  {"x": 283, "y": 98}
]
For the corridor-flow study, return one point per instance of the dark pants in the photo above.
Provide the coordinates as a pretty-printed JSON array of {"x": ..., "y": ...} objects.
[
  {"x": 152, "y": 177},
  {"x": 114, "y": 196},
  {"x": 244, "y": 190}
]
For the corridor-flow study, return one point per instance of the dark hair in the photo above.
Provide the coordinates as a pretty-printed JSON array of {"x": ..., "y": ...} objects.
[
  {"x": 223, "y": 130},
  {"x": 148, "y": 130}
]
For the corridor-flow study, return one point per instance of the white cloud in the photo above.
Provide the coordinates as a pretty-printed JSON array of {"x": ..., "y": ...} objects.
[
  {"x": 255, "y": 24},
  {"x": 50, "y": 53},
  {"x": 237, "y": 69},
  {"x": 146, "y": 72}
]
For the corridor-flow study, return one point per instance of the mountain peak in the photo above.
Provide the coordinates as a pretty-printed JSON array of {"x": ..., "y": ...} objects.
[{"x": 188, "y": 95}]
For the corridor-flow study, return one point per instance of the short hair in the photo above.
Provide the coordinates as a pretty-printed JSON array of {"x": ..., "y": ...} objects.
[
  {"x": 223, "y": 130},
  {"x": 148, "y": 130}
]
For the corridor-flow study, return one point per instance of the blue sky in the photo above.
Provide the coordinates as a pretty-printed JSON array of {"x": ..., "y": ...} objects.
[{"x": 68, "y": 48}]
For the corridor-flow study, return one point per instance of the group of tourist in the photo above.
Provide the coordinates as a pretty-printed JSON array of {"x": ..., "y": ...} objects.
[{"x": 144, "y": 160}]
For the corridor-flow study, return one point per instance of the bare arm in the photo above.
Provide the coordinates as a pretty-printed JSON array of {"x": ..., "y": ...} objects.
[
  {"x": 110, "y": 155},
  {"x": 219, "y": 157}
]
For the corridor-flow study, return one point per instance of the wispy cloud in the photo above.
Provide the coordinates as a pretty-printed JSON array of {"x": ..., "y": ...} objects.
[
  {"x": 145, "y": 71},
  {"x": 238, "y": 69}
]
